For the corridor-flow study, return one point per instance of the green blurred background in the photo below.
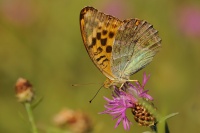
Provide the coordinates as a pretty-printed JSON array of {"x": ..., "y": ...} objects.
[{"x": 40, "y": 40}]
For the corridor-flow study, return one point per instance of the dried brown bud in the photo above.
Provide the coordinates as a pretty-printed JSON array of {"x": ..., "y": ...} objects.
[
  {"x": 76, "y": 121},
  {"x": 24, "y": 91}
]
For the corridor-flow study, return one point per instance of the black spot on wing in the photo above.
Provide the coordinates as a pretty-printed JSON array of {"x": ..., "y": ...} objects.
[
  {"x": 111, "y": 34},
  {"x": 104, "y": 32},
  {"x": 101, "y": 57},
  {"x": 99, "y": 49},
  {"x": 98, "y": 35},
  {"x": 93, "y": 42},
  {"x": 103, "y": 63},
  {"x": 103, "y": 41},
  {"x": 108, "y": 49}
]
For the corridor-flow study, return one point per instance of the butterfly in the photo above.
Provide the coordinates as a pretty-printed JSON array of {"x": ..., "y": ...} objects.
[{"x": 118, "y": 48}]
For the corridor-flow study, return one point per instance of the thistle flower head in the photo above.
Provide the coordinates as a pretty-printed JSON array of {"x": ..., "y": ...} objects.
[{"x": 124, "y": 98}]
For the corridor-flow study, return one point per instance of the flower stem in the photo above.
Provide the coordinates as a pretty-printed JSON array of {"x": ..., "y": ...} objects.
[
  {"x": 30, "y": 117},
  {"x": 154, "y": 128},
  {"x": 166, "y": 128}
]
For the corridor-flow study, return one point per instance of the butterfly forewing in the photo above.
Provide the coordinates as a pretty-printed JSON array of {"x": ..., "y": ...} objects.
[{"x": 98, "y": 33}]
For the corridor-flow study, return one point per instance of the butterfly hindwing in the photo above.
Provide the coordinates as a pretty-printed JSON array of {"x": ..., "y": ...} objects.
[
  {"x": 123, "y": 48},
  {"x": 144, "y": 43}
]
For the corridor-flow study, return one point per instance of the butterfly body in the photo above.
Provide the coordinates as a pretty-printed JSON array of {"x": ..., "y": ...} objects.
[{"x": 118, "y": 48}]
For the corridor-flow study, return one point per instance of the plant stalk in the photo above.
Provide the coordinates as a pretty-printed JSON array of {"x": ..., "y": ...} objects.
[{"x": 30, "y": 117}]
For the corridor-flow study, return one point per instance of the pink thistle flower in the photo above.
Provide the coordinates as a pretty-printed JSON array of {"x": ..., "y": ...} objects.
[{"x": 123, "y": 100}]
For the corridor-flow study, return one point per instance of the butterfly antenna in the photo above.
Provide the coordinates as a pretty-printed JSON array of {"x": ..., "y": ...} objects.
[
  {"x": 75, "y": 85},
  {"x": 96, "y": 94}
]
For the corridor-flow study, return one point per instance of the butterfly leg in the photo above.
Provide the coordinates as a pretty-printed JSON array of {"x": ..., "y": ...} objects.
[
  {"x": 135, "y": 81},
  {"x": 120, "y": 88},
  {"x": 123, "y": 87}
]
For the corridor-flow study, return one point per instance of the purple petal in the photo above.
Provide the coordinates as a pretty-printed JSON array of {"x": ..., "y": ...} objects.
[
  {"x": 145, "y": 79},
  {"x": 126, "y": 124},
  {"x": 118, "y": 122}
]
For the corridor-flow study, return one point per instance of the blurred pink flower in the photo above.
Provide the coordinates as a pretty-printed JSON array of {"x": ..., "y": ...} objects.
[
  {"x": 189, "y": 20},
  {"x": 19, "y": 12},
  {"x": 116, "y": 8}
]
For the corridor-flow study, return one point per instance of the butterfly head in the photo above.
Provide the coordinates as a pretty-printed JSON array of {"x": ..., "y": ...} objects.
[{"x": 108, "y": 83}]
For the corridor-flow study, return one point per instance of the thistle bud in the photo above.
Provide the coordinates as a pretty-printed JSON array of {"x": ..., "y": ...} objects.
[
  {"x": 23, "y": 90},
  {"x": 142, "y": 116}
]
